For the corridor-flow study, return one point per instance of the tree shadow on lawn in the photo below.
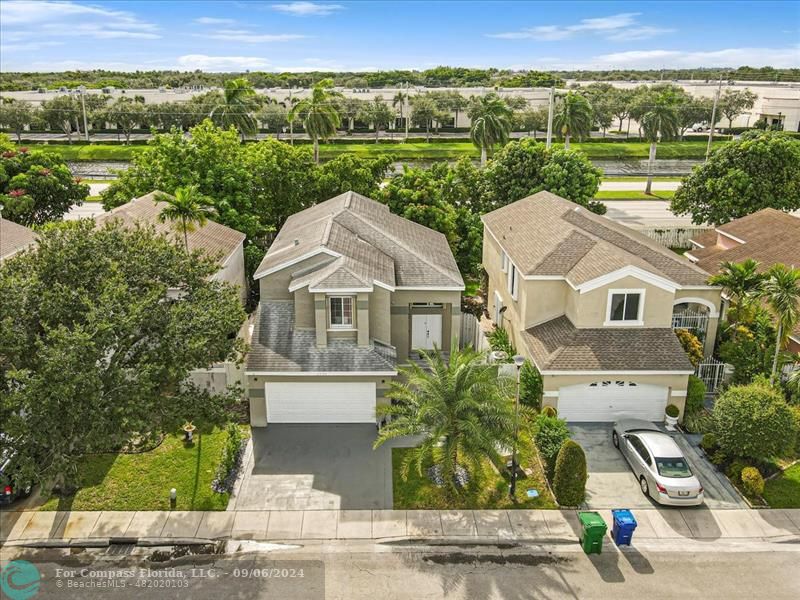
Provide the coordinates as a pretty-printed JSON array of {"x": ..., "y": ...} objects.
[{"x": 92, "y": 471}]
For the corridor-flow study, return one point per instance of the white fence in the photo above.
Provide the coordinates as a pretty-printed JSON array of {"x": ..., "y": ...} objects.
[
  {"x": 712, "y": 372},
  {"x": 696, "y": 322},
  {"x": 673, "y": 237},
  {"x": 471, "y": 334}
]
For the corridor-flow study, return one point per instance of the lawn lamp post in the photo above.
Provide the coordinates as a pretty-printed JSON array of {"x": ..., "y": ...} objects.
[{"x": 518, "y": 362}]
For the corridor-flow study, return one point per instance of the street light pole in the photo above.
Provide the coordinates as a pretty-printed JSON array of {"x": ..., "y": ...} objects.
[
  {"x": 512, "y": 492},
  {"x": 550, "y": 116},
  {"x": 713, "y": 118},
  {"x": 83, "y": 106}
]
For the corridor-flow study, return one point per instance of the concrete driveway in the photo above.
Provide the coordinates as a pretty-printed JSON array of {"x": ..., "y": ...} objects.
[
  {"x": 612, "y": 484},
  {"x": 316, "y": 467}
]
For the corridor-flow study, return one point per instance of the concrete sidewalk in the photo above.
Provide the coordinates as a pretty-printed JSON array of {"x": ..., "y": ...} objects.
[{"x": 155, "y": 527}]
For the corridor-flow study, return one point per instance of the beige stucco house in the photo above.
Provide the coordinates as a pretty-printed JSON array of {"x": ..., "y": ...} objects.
[
  {"x": 593, "y": 304},
  {"x": 348, "y": 292}
]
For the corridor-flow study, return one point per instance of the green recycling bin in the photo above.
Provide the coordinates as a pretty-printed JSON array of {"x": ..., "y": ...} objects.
[{"x": 593, "y": 530}]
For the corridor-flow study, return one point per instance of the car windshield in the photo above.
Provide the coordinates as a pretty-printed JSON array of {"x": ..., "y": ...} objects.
[{"x": 673, "y": 467}]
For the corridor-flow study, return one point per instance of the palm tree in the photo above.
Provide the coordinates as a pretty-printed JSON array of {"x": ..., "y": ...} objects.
[
  {"x": 740, "y": 281},
  {"x": 573, "y": 116},
  {"x": 290, "y": 102},
  {"x": 186, "y": 209},
  {"x": 236, "y": 109},
  {"x": 458, "y": 405},
  {"x": 660, "y": 122},
  {"x": 781, "y": 292},
  {"x": 400, "y": 100},
  {"x": 491, "y": 123},
  {"x": 318, "y": 113}
]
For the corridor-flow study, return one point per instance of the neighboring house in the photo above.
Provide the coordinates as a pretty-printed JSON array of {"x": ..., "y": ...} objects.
[
  {"x": 768, "y": 236},
  {"x": 593, "y": 305},
  {"x": 348, "y": 292},
  {"x": 14, "y": 238}
]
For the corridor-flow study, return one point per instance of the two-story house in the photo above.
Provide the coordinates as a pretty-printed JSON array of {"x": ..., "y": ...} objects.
[
  {"x": 593, "y": 305},
  {"x": 348, "y": 292}
]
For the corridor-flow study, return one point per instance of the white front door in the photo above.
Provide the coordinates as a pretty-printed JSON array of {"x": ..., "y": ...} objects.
[
  {"x": 320, "y": 402},
  {"x": 426, "y": 332},
  {"x": 612, "y": 400}
]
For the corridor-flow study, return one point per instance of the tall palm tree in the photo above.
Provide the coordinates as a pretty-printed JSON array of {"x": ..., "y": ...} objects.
[
  {"x": 187, "y": 209},
  {"x": 289, "y": 103},
  {"x": 458, "y": 405},
  {"x": 491, "y": 122},
  {"x": 400, "y": 100},
  {"x": 573, "y": 116},
  {"x": 740, "y": 281},
  {"x": 237, "y": 107},
  {"x": 318, "y": 113},
  {"x": 781, "y": 292},
  {"x": 660, "y": 122}
]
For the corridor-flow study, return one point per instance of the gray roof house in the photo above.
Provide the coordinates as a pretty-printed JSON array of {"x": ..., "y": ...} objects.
[
  {"x": 348, "y": 291},
  {"x": 14, "y": 238}
]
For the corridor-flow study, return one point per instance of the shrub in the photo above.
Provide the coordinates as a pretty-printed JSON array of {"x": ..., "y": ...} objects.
[
  {"x": 699, "y": 422},
  {"x": 753, "y": 421},
  {"x": 695, "y": 395},
  {"x": 672, "y": 411},
  {"x": 691, "y": 345},
  {"x": 499, "y": 340},
  {"x": 796, "y": 416},
  {"x": 734, "y": 471},
  {"x": 752, "y": 482},
  {"x": 549, "y": 411},
  {"x": 709, "y": 442},
  {"x": 230, "y": 462},
  {"x": 551, "y": 433},
  {"x": 530, "y": 385},
  {"x": 569, "y": 484},
  {"x": 719, "y": 457}
]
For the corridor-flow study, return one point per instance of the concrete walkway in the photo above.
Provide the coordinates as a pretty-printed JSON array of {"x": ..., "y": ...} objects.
[{"x": 169, "y": 527}]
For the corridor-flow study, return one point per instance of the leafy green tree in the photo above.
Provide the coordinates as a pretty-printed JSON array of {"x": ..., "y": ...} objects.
[
  {"x": 620, "y": 101},
  {"x": 695, "y": 111},
  {"x": 187, "y": 209},
  {"x": 347, "y": 173},
  {"x": 318, "y": 113},
  {"x": 423, "y": 111},
  {"x": 747, "y": 343},
  {"x": 573, "y": 116},
  {"x": 659, "y": 122},
  {"x": 237, "y": 107},
  {"x": 753, "y": 421},
  {"x": 531, "y": 120},
  {"x": 37, "y": 187},
  {"x": 17, "y": 115},
  {"x": 349, "y": 109},
  {"x": 377, "y": 113},
  {"x": 60, "y": 113},
  {"x": 491, "y": 123},
  {"x": 459, "y": 407},
  {"x": 781, "y": 292},
  {"x": 732, "y": 103},
  {"x": 127, "y": 115},
  {"x": 759, "y": 170},
  {"x": 91, "y": 349},
  {"x": 273, "y": 117},
  {"x": 569, "y": 483},
  {"x": 531, "y": 385}
]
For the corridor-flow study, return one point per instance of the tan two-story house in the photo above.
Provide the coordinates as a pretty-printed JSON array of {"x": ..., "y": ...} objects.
[
  {"x": 593, "y": 305},
  {"x": 348, "y": 292}
]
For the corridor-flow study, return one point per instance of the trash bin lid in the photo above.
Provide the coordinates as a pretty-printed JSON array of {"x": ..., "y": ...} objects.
[
  {"x": 591, "y": 520},
  {"x": 623, "y": 516}
]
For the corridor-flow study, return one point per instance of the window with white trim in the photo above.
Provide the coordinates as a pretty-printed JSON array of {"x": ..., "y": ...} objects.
[
  {"x": 503, "y": 261},
  {"x": 513, "y": 280},
  {"x": 625, "y": 307},
  {"x": 341, "y": 312}
]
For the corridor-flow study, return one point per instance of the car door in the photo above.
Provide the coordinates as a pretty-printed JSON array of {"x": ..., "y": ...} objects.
[{"x": 640, "y": 458}]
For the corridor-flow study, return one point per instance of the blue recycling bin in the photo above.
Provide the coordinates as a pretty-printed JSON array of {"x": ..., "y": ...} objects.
[{"x": 623, "y": 526}]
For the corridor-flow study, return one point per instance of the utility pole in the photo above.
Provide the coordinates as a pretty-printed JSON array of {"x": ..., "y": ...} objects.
[
  {"x": 550, "y": 116},
  {"x": 713, "y": 118},
  {"x": 408, "y": 111},
  {"x": 291, "y": 121},
  {"x": 83, "y": 106}
]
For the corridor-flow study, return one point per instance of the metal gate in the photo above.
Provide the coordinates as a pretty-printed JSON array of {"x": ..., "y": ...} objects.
[{"x": 711, "y": 371}]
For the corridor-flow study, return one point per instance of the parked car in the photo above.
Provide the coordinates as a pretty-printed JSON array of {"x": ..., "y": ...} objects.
[
  {"x": 10, "y": 488},
  {"x": 663, "y": 472}
]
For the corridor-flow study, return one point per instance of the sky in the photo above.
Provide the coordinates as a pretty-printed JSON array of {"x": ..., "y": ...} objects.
[{"x": 42, "y": 35}]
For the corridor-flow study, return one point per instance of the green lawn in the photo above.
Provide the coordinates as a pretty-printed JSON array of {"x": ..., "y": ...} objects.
[
  {"x": 634, "y": 195},
  {"x": 624, "y": 178},
  {"x": 143, "y": 481},
  {"x": 413, "y": 150},
  {"x": 784, "y": 490},
  {"x": 487, "y": 489}
]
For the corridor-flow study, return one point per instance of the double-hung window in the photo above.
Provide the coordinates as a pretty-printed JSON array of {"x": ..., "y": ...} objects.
[
  {"x": 625, "y": 307},
  {"x": 513, "y": 280},
  {"x": 341, "y": 312}
]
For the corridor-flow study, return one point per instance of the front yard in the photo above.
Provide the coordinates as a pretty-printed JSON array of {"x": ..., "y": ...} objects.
[
  {"x": 784, "y": 490},
  {"x": 143, "y": 481}
]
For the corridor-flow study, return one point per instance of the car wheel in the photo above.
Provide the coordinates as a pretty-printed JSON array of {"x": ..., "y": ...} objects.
[
  {"x": 643, "y": 485},
  {"x": 615, "y": 439}
]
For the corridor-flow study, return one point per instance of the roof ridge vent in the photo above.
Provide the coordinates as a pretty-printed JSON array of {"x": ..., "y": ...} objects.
[{"x": 348, "y": 199}]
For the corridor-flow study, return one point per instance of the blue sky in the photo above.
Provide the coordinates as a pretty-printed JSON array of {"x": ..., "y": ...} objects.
[{"x": 298, "y": 36}]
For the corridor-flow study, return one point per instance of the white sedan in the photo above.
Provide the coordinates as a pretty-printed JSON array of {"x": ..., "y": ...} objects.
[{"x": 661, "y": 469}]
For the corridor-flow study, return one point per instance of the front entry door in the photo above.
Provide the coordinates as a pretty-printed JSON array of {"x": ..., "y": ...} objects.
[{"x": 426, "y": 332}]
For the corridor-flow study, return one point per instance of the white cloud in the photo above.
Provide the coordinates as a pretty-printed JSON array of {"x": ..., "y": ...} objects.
[
  {"x": 246, "y": 36},
  {"x": 305, "y": 9},
  {"x": 221, "y": 63},
  {"x": 617, "y": 27},
  {"x": 213, "y": 21}
]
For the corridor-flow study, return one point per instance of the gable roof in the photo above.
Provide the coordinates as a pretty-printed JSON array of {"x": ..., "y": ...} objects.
[
  {"x": 546, "y": 235},
  {"x": 770, "y": 236},
  {"x": 213, "y": 239},
  {"x": 365, "y": 243},
  {"x": 14, "y": 238}
]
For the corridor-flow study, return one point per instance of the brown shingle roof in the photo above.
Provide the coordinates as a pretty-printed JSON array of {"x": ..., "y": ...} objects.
[
  {"x": 212, "y": 238},
  {"x": 557, "y": 345},
  {"x": 545, "y": 234},
  {"x": 14, "y": 238},
  {"x": 374, "y": 244}
]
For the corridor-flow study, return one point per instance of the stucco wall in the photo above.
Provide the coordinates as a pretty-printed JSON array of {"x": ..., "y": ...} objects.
[
  {"x": 275, "y": 286},
  {"x": 303, "y": 309},
  {"x": 589, "y": 309},
  {"x": 233, "y": 272},
  {"x": 400, "y": 317},
  {"x": 380, "y": 319}
]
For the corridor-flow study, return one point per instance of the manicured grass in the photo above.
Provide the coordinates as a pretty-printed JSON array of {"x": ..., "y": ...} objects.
[
  {"x": 80, "y": 152},
  {"x": 143, "y": 481},
  {"x": 634, "y": 195},
  {"x": 784, "y": 490},
  {"x": 624, "y": 179},
  {"x": 486, "y": 489}
]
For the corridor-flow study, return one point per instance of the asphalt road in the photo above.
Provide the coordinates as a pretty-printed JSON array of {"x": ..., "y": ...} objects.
[{"x": 352, "y": 572}]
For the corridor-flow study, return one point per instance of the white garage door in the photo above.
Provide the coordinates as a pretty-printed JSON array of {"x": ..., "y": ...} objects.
[
  {"x": 612, "y": 400},
  {"x": 289, "y": 402}
]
